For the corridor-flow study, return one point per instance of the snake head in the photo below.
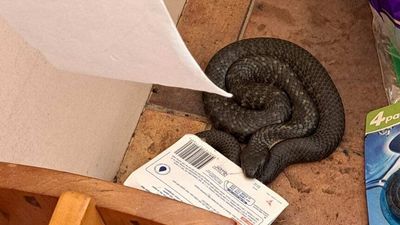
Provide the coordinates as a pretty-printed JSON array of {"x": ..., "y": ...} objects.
[{"x": 252, "y": 163}]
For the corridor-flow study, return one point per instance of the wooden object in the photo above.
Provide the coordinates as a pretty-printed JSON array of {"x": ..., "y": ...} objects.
[
  {"x": 28, "y": 196},
  {"x": 75, "y": 209}
]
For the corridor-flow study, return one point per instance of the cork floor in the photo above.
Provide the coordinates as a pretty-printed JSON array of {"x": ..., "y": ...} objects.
[{"x": 339, "y": 34}]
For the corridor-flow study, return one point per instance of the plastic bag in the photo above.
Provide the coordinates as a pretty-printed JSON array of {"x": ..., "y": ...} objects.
[{"x": 386, "y": 28}]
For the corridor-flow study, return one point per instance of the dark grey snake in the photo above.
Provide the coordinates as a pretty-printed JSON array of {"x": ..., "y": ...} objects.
[{"x": 285, "y": 106}]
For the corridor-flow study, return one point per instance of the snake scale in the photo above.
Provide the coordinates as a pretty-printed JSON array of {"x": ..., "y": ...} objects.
[{"x": 285, "y": 108}]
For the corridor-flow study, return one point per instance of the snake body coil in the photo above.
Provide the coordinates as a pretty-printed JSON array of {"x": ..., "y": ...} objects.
[{"x": 285, "y": 106}]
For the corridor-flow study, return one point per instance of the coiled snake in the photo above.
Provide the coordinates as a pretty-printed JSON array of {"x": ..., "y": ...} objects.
[{"x": 285, "y": 106}]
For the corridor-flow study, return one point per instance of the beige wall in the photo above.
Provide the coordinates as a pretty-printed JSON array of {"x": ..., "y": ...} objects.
[{"x": 64, "y": 121}]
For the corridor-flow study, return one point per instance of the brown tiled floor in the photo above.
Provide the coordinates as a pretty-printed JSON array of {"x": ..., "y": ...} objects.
[
  {"x": 155, "y": 132},
  {"x": 336, "y": 32}
]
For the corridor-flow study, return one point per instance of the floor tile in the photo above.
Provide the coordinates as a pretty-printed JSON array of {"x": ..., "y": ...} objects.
[
  {"x": 329, "y": 192},
  {"x": 155, "y": 132},
  {"x": 206, "y": 26}
]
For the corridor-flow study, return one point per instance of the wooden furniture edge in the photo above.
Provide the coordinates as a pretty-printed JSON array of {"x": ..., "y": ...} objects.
[{"x": 107, "y": 195}]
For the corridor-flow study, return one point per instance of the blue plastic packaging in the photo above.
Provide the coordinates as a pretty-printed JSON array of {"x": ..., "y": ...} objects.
[{"x": 382, "y": 163}]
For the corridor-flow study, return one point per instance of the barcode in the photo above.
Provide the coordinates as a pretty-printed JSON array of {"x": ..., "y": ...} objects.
[{"x": 194, "y": 154}]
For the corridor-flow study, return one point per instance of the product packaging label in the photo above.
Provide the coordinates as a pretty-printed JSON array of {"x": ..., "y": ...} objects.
[
  {"x": 193, "y": 172},
  {"x": 382, "y": 161}
]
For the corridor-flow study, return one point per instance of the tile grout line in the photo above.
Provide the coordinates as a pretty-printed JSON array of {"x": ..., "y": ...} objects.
[
  {"x": 180, "y": 15},
  {"x": 246, "y": 20},
  {"x": 174, "y": 112}
]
